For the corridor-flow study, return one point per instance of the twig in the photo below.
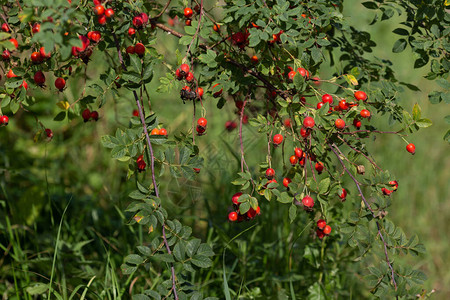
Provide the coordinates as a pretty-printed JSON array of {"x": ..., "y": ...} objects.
[
  {"x": 354, "y": 149},
  {"x": 198, "y": 29},
  {"x": 163, "y": 10}
]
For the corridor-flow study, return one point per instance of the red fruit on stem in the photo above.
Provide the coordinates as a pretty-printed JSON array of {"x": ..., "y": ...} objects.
[
  {"x": 43, "y": 54},
  {"x": 36, "y": 57},
  {"x": 232, "y": 216},
  {"x": 308, "y": 123},
  {"x": 14, "y": 42},
  {"x": 155, "y": 131},
  {"x": 6, "y": 54},
  {"x": 277, "y": 139},
  {"x": 188, "y": 12},
  {"x": 357, "y": 123},
  {"x": 49, "y": 133},
  {"x": 4, "y": 120},
  {"x": 360, "y": 95},
  {"x": 130, "y": 50},
  {"x": 101, "y": 20},
  {"x": 188, "y": 22},
  {"x": 286, "y": 181},
  {"x": 60, "y": 83},
  {"x": 36, "y": 28},
  {"x": 321, "y": 224},
  {"x": 308, "y": 202},
  {"x": 86, "y": 114},
  {"x": 287, "y": 123},
  {"x": 5, "y": 27},
  {"x": 293, "y": 160},
  {"x": 304, "y": 132},
  {"x": 339, "y": 123},
  {"x": 200, "y": 92},
  {"x": 303, "y": 72},
  {"x": 99, "y": 10},
  {"x": 291, "y": 75},
  {"x": 138, "y": 22},
  {"x": 135, "y": 113},
  {"x": 298, "y": 152},
  {"x": 394, "y": 184},
  {"x": 189, "y": 77},
  {"x": 320, "y": 104},
  {"x": 131, "y": 31},
  {"x": 386, "y": 192},
  {"x": 327, "y": 98},
  {"x": 365, "y": 113},
  {"x": 327, "y": 229},
  {"x": 94, "y": 115},
  {"x": 202, "y": 122},
  {"x": 109, "y": 13},
  {"x": 184, "y": 69},
  {"x": 254, "y": 59},
  {"x": 24, "y": 84},
  {"x": 200, "y": 130},
  {"x": 320, "y": 234},
  {"x": 163, "y": 132},
  {"x": 139, "y": 49},
  {"x": 39, "y": 78},
  {"x": 94, "y": 36},
  {"x": 11, "y": 74},
  {"x": 319, "y": 167},
  {"x": 411, "y": 148},
  {"x": 343, "y": 105},
  {"x": 270, "y": 173},
  {"x": 216, "y": 27},
  {"x": 343, "y": 195}
]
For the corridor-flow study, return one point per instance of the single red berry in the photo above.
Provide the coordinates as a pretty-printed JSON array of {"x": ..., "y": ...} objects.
[
  {"x": 4, "y": 120},
  {"x": 24, "y": 84},
  {"x": 135, "y": 113},
  {"x": 86, "y": 114},
  {"x": 49, "y": 133},
  {"x": 319, "y": 167},
  {"x": 101, "y": 19},
  {"x": 308, "y": 202},
  {"x": 327, "y": 229},
  {"x": 14, "y": 42},
  {"x": 130, "y": 50},
  {"x": 411, "y": 148},
  {"x": 321, "y": 224},
  {"x": 357, "y": 123},
  {"x": 304, "y": 133},
  {"x": 109, "y": 13},
  {"x": 189, "y": 77},
  {"x": 270, "y": 173},
  {"x": 316, "y": 81},
  {"x": 99, "y": 9},
  {"x": 139, "y": 49},
  {"x": 365, "y": 113},
  {"x": 320, "y": 104},
  {"x": 360, "y": 95},
  {"x": 286, "y": 182},
  {"x": 6, "y": 54},
  {"x": 141, "y": 163},
  {"x": 184, "y": 69},
  {"x": 196, "y": 170},
  {"x": 11, "y": 74},
  {"x": 343, "y": 195},
  {"x": 36, "y": 57},
  {"x": 138, "y": 22},
  {"x": 163, "y": 131},
  {"x": 5, "y": 27},
  {"x": 94, "y": 115},
  {"x": 308, "y": 123},
  {"x": 303, "y": 100},
  {"x": 235, "y": 198},
  {"x": 200, "y": 92},
  {"x": 394, "y": 184},
  {"x": 188, "y": 12},
  {"x": 254, "y": 59},
  {"x": 339, "y": 123},
  {"x": 298, "y": 152},
  {"x": 343, "y": 104},
  {"x": 320, "y": 234},
  {"x": 291, "y": 75},
  {"x": 302, "y": 162},
  {"x": 60, "y": 83},
  {"x": 43, "y": 54},
  {"x": 200, "y": 130},
  {"x": 216, "y": 27},
  {"x": 188, "y": 22},
  {"x": 293, "y": 160},
  {"x": 277, "y": 139},
  {"x": 287, "y": 123},
  {"x": 327, "y": 98},
  {"x": 251, "y": 213},
  {"x": 303, "y": 72},
  {"x": 131, "y": 31},
  {"x": 202, "y": 122},
  {"x": 39, "y": 78},
  {"x": 94, "y": 36},
  {"x": 386, "y": 192},
  {"x": 36, "y": 28},
  {"x": 155, "y": 131},
  {"x": 232, "y": 216}
]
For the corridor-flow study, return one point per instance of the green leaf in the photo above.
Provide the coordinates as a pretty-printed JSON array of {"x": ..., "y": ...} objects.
[
  {"x": 370, "y": 5},
  {"x": 424, "y": 123},
  {"x": 134, "y": 259},
  {"x": 399, "y": 46},
  {"x": 324, "y": 184},
  {"x": 140, "y": 297},
  {"x": 136, "y": 63},
  {"x": 201, "y": 261},
  {"x": 37, "y": 288},
  {"x": 292, "y": 212},
  {"x": 244, "y": 207},
  {"x": 400, "y": 31}
]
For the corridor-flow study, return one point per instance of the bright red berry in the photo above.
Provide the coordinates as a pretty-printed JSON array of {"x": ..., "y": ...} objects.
[
  {"x": 135, "y": 113},
  {"x": 4, "y": 120},
  {"x": 270, "y": 173},
  {"x": 94, "y": 115},
  {"x": 386, "y": 191},
  {"x": 36, "y": 28},
  {"x": 286, "y": 181},
  {"x": 319, "y": 167},
  {"x": 101, "y": 19},
  {"x": 141, "y": 163},
  {"x": 360, "y": 95},
  {"x": 303, "y": 72},
  {"x": 155, "y": 131},
  {"x": 320, "y": 234},
  {"x": 235, "y": 198},
  {"x": 291, "y": 75},
  {"x": 254, "y": 59},
  {"x": 99, "y": 9},
  {"x": 308, "y": 122},
  {"x": 308, "y": 202},
  {"x": 411, "y": 148},
  {"x": 184, "y": 68},
  {"x": 39, "y": 78},
  {"x": 304, "y": 133},
  {"x": 343, "y": 195},
  {"x": 287, "y": 123},
  {"x": 321, "y": 224},
  {"x": 357, "y": 123},
  {"x": 49, "y": 133},
  {"x": 327, "y": 229},
  {"x": 6, "y": 54},
  {"x": 14, "y": 42},
  {"x": 277, "y": 139},
  {"x": 131, "y": 31},
  {"x": 232, "y": 216},
  {"x": 394, "y": 184},
  {"x": 36, "y": 57},
  {"x": 202, "y": 122},
  {"x": 188, "y": 22},
  {"x": 139, "y": 49},
  {"x": 5, "y": 27},
  {"x": 293, "y": 160},
  {"x": 60, "y": 83},
  {"x": 320, "y": 104},
  {"x": 339, "y": 123},
  {"x": 43, "y": 54},
  {"x": 109, "y": 13},
  {"x": 365, "y": 113},
  {"x": 298, "y": 152},
  {"x": 189, "y": 77},
  {"x": 94, "y": 36},
  {"x": 216, "y": 27},
  {"x": 163, "y": 131},
  {"x": 200, "y": 130},
  {"x": 188, "y": 12},
  {"x": 343, "y": 104},
  {"x": 130, "y": 50},
  {"x": 327, "y": 98},
  {"x": 11, "y": 74},
  {"x": 200, "y": 92}
]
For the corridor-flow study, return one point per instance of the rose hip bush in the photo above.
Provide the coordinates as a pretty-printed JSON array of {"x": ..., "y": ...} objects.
[{"x": 263, "y": 60}]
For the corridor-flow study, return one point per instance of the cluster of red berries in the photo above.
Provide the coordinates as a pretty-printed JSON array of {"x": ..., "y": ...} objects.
[
  {"x": 394, "y": 185},
  {"x": 139, "y": 21},
  {"x": 302, "y": 71},
  {"x": 237, "y": 216},
  {"x": 322, "y": 229},
  {"x": 102, "y": 14},
  {"x": 270, "y": 174},
  {"x": 49, "y": 133},
  {"x": 240, "y": 39},
  {"x": 141, "y": 163},
  {"x": 138, "y": 49},
  {"x": 201, "y": 126},
  {"x": 186, "y": 93},
  {"x": 87, "y": 115},
  {"x": 188, "y": 13},
  {"x": 161, "y": 131},
  {"x": 4, "y": 120}
]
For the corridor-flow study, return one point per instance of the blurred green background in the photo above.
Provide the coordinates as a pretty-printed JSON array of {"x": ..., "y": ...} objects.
[{"x": 75, "y": 168}]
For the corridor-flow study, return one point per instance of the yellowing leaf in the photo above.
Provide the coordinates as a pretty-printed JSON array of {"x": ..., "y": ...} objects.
[
  {"x": 447, "y": 3},
  {"x": 351, "y": 79},
  {"x": 64, "y": 105}
]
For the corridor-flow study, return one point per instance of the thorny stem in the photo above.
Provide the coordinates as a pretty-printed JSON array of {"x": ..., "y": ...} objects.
[
  {"x": 198, "y": 28},
  {"x": 333, "y": 147},
  {"x": 152, "y": 164},
  {"x": 354, "y": 149}
]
